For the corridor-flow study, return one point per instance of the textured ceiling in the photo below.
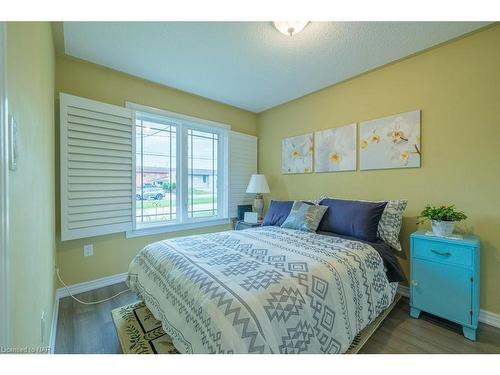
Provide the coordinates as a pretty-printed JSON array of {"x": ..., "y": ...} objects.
[{"x": 251, "y": 65}]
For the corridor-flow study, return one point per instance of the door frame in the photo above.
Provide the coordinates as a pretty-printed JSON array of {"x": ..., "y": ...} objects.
[{"x": 4, "y": 196}]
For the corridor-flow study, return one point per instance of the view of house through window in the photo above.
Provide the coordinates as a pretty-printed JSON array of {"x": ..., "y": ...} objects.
[
  {"x": 156, "y": 179},
  {"x": 158, "y": 182},
  {"x": 202, "y": 173}
]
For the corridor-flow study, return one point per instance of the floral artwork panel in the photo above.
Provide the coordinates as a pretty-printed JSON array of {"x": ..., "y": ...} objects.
[
  {"x": 390, "y": 142},
  {"x": 335, "y": 149},
  {"x": 296, "y": 154}
]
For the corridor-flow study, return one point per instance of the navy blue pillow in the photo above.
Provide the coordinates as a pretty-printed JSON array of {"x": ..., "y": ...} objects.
[
  {"x": 352, "y": 218},
  {"x": 277, "y": 212}
]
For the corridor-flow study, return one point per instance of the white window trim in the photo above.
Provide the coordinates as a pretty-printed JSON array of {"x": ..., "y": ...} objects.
[
  {"x": 175, "y": 115},
  {"x": 182, "y": 222},
  {"x": 4, "y": 198},
  {"x": 174, "y": 227}
]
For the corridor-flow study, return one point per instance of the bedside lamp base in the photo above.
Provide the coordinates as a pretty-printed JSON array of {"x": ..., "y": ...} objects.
[{"x": 258, "y": 205}]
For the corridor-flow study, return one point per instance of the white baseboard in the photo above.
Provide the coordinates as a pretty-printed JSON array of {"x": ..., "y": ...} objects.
[
  {"x": 486, "y": 317},
  {"x": 91, "y": 285},
  {"x": 53, "y": 327},
  {"x": 76, "y": 289}
]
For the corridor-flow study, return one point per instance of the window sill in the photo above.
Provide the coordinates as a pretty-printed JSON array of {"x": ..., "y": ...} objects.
[{"x": 157, "y": 229}]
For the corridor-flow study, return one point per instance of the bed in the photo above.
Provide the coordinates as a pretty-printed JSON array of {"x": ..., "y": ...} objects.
[{"x": 263, "y": 290}]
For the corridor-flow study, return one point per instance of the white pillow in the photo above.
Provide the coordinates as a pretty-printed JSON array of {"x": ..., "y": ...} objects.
[{"x": 390, "y": 222}]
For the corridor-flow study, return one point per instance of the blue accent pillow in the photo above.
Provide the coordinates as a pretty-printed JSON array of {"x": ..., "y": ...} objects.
[
  {"x": 352, "y": 218},
  {"x": 304, "y": 216},
  {"x": 277, "y": 212}
]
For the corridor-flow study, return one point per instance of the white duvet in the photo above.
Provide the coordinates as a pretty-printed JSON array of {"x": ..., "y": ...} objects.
[{"x": 262, "y": 290}]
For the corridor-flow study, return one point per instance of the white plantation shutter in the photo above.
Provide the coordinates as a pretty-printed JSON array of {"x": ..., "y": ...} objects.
[
  {"x": 242, "y": 164},
  {"x": 96, "y": 168}
]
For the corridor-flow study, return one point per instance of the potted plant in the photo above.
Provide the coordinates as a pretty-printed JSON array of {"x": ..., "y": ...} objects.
[{"x": 443, "y": 219}]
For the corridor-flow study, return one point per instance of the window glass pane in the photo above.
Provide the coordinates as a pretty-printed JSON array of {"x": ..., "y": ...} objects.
[
  {"x": 156, "y": 176},
  {"x": 202, "y": 173}
]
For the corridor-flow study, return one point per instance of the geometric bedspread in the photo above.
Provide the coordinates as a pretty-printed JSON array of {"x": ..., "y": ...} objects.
[{"x": 261, "y": 290}]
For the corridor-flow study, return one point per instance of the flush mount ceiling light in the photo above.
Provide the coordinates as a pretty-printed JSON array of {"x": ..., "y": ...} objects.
[{"x": 290, "y": 28}]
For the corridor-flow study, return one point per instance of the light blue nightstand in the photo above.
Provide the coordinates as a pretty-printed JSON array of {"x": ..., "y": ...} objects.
[{"x": 445, "y": 279}]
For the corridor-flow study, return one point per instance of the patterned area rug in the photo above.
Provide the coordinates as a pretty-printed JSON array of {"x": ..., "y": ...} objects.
[{"x": 140, "y": 333}]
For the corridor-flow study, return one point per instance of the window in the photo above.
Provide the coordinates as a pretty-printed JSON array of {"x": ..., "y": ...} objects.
[
  {"x": 180, "y": 170},
  {"x": 141, "y": 170},
  {"x": 155, "y": 171},
  {"x": 202, "y": 173}
]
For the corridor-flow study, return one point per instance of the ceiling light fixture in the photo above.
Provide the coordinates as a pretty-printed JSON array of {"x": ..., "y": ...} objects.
[{"x": 290, "y": 28}]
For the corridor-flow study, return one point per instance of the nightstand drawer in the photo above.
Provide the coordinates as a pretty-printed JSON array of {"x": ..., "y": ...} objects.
[{"x": 443, "y": 252}]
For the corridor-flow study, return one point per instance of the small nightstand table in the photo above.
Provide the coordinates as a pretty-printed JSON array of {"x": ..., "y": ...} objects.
[
  {"x": 240, "y": 224},
  {"x": 445, "y": 279}
]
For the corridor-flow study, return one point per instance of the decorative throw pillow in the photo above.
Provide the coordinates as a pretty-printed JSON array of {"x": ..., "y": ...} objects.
[
  {"x": 390, "y": 223},
  {"x": 304, "y": 216},
  {"x": 277, "y": 212},
  {"x": 352, "y": 218}
]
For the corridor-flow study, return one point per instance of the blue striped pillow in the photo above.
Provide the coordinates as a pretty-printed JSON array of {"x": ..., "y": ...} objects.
[{"x": 389, "y": 226}]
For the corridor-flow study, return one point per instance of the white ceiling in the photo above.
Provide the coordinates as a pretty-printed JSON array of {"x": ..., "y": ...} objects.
[{"x": 251, "y": 65}]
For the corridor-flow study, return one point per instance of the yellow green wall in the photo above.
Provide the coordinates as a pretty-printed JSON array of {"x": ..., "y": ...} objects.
[
  {"x": 113, "y": 253},
  {"x": 457, "y": 87},
  {"x": 30, "y": 87}
]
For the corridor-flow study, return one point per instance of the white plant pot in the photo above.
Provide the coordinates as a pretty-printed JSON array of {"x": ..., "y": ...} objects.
[{"x": 443, "y": 228}]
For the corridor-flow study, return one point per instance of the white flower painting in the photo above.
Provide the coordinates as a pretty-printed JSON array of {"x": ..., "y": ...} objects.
[
  {"x": 296, "y": 154},
  {"x": 390, "y": 142},
  {"x": 335, "y": 149}
]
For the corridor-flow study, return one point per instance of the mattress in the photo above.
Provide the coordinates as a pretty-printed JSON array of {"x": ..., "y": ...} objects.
[{"x": 262, "y": 290}]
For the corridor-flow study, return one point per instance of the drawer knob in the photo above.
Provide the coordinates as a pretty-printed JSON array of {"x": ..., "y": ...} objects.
[
  {"x": 413, "y": 282},
  {"x": 440, "y": 253}
]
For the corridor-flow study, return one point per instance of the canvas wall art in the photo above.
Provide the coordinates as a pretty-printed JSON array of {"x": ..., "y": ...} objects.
[
  {"x": 297, "y": 154},
  {"x": 335, "y": 149},
  {"x": 390, "y": 142}
]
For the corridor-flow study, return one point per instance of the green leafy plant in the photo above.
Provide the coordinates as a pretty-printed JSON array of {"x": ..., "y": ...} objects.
[
  {"x": 169, "y": 186},
  {"x": 442, "y": 213}
]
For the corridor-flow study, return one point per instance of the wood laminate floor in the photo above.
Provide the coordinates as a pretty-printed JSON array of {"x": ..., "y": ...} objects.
[{"x": 90, "y": 329}]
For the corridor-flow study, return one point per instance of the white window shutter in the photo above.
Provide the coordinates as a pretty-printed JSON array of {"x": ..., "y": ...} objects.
[
  {"x": 96, "y": 167},
  {"x": 242, "y": 164}
]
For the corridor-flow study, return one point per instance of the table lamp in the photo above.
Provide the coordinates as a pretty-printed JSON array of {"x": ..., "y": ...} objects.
[{"x": 258, "y": 186}]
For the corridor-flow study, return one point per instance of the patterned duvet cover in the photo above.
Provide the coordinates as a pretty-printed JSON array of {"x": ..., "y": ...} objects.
[{"x": 261, "y": 290}]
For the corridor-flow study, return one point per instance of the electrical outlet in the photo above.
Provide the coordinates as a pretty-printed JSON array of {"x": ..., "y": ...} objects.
[
  {"x": 42, "y": 327},
  {"x": 88, "y": 250}
]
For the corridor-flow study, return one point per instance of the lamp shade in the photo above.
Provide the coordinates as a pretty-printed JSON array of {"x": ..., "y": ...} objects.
[{"x": 258, "y": 184}]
